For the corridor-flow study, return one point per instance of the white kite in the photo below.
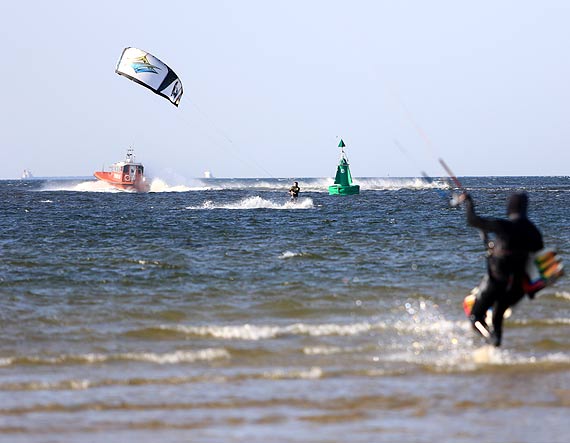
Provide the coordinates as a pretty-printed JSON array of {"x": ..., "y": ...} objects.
[{"x": 147, "y": 70}]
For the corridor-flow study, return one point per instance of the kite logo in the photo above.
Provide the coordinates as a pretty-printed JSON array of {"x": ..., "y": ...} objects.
[
  {"x": 175, "y": 89},
  {"x": 141, "y": 64}
]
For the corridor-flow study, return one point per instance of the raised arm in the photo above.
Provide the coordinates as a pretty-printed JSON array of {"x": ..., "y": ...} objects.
[{"x": 482, "y": 223}]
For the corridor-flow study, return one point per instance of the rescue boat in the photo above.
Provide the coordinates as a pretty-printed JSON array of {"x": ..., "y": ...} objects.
[{"x": 127, "y": 175}]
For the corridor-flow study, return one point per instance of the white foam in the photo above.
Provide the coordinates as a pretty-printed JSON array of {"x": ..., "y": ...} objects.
[
  {"x": 159, "y": 185},
  {"x": 487, "y": 354},
  {"x": 74, "y": 384},
  {"x": 177, "y": 357},
  {"x": 322, "y": 350},
  {"x": 496, "y": 356},
  {"x": 548, "y": 321},
  {"x": 290, "y": 254},
  {"x": 387, "y": 184},
  {"x": 260, "y": 332},
  {"x": 86, "y": 186},
  {"x": 308, "y": 374},
  {"x": 256, "y": 203},
  {"x": 167, "y": 358},
  {"x": 558, "y": 321},
  {"x": 329, "y": 350},
  {"x": 374, "y": 184},
  {"x": 156, "y": 185},
  {"x": 316, "y": 185}
]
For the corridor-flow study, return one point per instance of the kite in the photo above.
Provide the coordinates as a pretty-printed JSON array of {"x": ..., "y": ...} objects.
[{"x": 145, "y": 69}]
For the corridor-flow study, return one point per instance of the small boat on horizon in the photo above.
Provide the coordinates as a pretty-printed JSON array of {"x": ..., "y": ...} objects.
[
  {"x": 27, "y": 174},
  {"x": 127, "y": 175}
]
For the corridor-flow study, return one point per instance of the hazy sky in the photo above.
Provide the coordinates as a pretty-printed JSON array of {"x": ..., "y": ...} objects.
[{"x": 269, "y": 86}]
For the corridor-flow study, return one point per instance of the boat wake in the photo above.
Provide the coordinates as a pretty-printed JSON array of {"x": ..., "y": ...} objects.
[
  {"x": 84, "y": 186},
  {"x": 317, "y": 185},
  {"x": 388, "y": 184},
  {"x": 371, "y": 184},
  {"x": 159, "y": 185},
  {"x": 256, "y": 203},
  {"x": 156, "y": 185}
]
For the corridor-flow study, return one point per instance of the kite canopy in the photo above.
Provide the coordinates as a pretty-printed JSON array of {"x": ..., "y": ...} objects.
[{"x": 147, "y": 70}]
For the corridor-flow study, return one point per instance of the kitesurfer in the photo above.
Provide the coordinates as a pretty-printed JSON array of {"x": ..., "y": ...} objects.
[
  {"x": 294, "y": 191},
  {"x": 513, "y": 240}
]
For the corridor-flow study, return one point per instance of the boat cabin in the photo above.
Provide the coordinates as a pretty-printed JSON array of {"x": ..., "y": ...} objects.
[{"x": 128, "y": 170}]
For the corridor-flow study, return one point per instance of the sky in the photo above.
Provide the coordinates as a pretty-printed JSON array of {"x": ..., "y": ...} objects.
[{"x": 270, "y": 87}]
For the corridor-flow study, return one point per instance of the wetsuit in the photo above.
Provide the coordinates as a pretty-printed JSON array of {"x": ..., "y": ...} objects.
[
  {"x": 513, "y": 240},
  {"x": 294, "y": 191}
]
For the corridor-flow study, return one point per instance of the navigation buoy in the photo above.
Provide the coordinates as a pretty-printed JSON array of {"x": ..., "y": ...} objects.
[{"x": 343, "y": 179}]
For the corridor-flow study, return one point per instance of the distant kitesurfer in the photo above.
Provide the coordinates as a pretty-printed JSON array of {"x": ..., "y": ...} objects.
[
  {"x": 513, "y": 240},
  {"x": 294, "y": 191}
]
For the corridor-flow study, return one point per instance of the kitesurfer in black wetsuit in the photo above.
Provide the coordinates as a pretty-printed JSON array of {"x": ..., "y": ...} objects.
[
  {"x": 514, "y": 238},
  {"x": 294, "y": 191}
]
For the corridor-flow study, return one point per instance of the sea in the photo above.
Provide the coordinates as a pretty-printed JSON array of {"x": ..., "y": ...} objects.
[{"x": 220, "y": 311}]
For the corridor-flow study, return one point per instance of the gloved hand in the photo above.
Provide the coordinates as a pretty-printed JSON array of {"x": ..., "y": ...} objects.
[{"x": 458, "y": 199}]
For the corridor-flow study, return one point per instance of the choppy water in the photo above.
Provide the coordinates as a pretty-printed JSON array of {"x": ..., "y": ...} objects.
[{"x": 220, "y": 312}]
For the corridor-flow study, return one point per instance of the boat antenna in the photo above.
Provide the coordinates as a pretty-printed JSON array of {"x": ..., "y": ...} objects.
[{"x": 130, "y": 155}]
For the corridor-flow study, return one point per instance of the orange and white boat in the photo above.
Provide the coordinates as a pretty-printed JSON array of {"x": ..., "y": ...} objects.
[{"x": 127, "y": 175}]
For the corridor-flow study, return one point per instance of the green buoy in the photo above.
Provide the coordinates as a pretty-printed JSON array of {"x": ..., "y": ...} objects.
[{"x": 343, "y": 179}]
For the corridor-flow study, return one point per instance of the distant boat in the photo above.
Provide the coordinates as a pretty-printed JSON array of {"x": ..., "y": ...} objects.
[
  {"x": 208, "y": 174},
  {"x": 126, "y": 175},
  {"x": 343, "y": 179},
  {"x": 27, "y": 174}
]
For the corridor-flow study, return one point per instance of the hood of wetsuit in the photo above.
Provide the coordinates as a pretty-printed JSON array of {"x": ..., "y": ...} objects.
[{"x": 517, "y": 204}]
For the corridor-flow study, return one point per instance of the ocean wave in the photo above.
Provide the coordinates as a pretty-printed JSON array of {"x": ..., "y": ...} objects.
[
  {"x": 284, "y": 374},
  {"x": 316, "y": 185},
  {"x": 387, "y": 184},
  {"x": 462, "y": 359},
  {"x": 490, "y": 355},
  {"x": 256, "y": 203},
  {"x": 260, "y": 332},
  {"x": 221, "y": 184},
  {"x": 150, "y": 357},
  {"x": 465, "y": 357},
  {"x": 330, "y": 350},
  {"x": 291, "y": 254},
  {"x": 542, "y": 321},
  {"x": 84, "y": 383},
  {"x": 320, "y": 184},
  {"x": 37, "y": 385}
]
